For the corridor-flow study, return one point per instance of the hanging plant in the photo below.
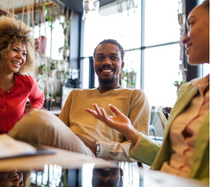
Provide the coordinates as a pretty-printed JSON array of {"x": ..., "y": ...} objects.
[
  {"x": 52, "y": 66},
  {"x": 41, "y": 69},
  {"x": 65, "y": 75}
]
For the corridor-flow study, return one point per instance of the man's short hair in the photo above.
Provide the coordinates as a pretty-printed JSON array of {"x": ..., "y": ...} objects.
[{"x": 112, "y": 42}]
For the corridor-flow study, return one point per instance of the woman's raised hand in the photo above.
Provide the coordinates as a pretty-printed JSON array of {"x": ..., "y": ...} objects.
[{"x": 119, "y": 122}]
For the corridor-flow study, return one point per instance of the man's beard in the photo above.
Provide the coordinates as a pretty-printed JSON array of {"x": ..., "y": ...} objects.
[{"x": 107, "y": 82}]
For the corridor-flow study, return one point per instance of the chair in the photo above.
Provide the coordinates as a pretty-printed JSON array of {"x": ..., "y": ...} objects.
[
  {"x": 153, "y": 119},
  {"x": 164, "y": 113}
]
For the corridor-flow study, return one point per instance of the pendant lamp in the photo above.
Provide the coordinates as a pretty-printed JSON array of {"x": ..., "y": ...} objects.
[{"x": 88, "y": 6}]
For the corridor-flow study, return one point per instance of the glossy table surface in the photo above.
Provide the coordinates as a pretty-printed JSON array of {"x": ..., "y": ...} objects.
[{"x": 64, "y": 168}]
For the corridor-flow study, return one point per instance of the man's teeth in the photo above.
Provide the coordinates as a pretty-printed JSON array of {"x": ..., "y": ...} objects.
[{"x": 107, "y": 70}]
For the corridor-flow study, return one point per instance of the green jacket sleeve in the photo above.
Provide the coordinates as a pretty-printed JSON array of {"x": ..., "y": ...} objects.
[{"x": 146, "y": 150}]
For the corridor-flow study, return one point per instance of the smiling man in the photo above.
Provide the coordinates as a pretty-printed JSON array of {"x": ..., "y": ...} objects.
[
  {"x": 102, "y": 141},
  {"x": 79, "y": 131},
  {"x": 108, "y": 62}
]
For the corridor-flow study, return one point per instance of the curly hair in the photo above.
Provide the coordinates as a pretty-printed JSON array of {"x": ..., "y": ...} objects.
[
  {"x": 14, "y": 31},
  {"x": 112, "y": 42}
]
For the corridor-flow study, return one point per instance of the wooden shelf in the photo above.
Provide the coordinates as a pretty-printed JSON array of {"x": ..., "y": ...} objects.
[
  {"x": 37, "y": 7},
  {"x": 4, "y": 12}
]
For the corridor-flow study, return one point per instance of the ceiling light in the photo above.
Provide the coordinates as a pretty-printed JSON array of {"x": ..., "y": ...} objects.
[{"x": 88, "y": 6}]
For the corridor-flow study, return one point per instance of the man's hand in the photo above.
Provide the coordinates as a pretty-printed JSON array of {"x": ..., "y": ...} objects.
[
  {"x": 120, "y": 122},
  {"x": 88, "y": 143}
]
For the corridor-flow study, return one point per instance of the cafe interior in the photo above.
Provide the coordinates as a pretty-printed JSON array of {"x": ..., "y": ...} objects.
[{"x": 66, "y": 33}]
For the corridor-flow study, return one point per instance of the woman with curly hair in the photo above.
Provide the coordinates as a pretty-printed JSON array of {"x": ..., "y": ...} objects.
[
  {"x": 17, "y": 60},
  {"x": 185, "y": 148}
]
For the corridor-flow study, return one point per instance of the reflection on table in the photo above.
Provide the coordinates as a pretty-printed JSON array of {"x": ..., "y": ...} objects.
[
  {"x": 125, "y": 175},
  {"x": 15, "y": 178},
  {"x": 89, "y": 175}
]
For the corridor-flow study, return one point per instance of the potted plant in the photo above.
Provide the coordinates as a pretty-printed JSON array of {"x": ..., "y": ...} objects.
[
  {"x": 41, "y": 69},
  {"x": 129, "y": 77},
  {"x": 182, "y": 77},
  {"x": 179, "y": 84}
]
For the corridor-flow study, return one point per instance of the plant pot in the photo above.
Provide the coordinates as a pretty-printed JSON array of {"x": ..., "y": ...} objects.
[{"x": 58, "y": 99}]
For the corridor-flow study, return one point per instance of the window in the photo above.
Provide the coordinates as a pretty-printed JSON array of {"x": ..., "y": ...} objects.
[
  {"x": 161, "y": 70},
  {"x": 161, "y": 22},
  {"x": 161, "y": 63},
  {"x": 205, "y": 69}
]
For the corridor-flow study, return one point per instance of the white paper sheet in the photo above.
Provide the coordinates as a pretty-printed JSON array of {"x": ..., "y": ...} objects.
[{"x": 11, "y": 148}]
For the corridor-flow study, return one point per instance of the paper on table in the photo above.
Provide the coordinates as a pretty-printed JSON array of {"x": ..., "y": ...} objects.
[{"x": 10, "y": 147}]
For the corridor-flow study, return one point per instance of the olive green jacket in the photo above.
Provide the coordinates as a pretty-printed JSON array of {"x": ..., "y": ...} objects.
[{"x": 151, "y": 153}]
